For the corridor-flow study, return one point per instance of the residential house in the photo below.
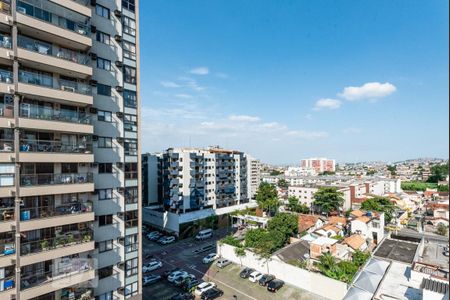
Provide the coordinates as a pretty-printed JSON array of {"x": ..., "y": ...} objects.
[{"x": 368, "y": 224}]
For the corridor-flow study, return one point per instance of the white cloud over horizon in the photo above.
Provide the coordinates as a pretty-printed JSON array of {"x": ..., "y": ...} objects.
[
  {"x": 327, "y": 103},
  {"x": 200, "y": 71},
  {"x": 369, "y": 90},
  {"x": 243, "y": 118}
]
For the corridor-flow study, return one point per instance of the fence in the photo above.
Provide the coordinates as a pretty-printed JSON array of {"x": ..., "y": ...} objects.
[{"x": 310, "y": 281}]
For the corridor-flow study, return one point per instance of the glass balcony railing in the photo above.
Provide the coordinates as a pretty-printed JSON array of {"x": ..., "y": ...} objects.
[
  {"x": 6, "y": 145},
  {"x": 40, "y": 112},
  {"x": 5, "y": 6},
  {"x": 67, "y": 239},
  {"x": 45, "y": 80},
  {"x": 6, "y": 76},
  {"x": 55, "y": 146},
  {"x": 52, "y": 179},
  {"x": 6, "y": 110},
  {"x": 31, "y": 213},
  {"x": 5, "y": 40},
  {"x": 47, "y": 49},
  {"x": 27, "y": 8}
]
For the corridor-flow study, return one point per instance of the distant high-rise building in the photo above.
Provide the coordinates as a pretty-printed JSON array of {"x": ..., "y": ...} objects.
[
  {"x": 69, "y": 154},
  {"x": 254, "y": 176},
  {"x": 319, "y": 165}
]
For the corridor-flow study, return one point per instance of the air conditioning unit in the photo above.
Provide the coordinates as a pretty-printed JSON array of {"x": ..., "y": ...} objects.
[
  {"x": 92, "y": 110},
  {"x": 95, "y": 137},
  {"x": 119, "y": 114},
  {"x": 68, "y": 88},
  {"x": 118, "y": 13},
  {"x": 119, "y": 64},
  {"x": 93, "y": 56},
  {"x": 93, "y": 82},
  {"x": 118, "y": 38},
  {"x": 93, "y": 29},
  {"x": 119, "y": 88}
]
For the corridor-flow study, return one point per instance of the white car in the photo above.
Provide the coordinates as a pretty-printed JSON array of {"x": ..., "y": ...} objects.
[
  {"x": 167, "y": 240},
  {"x": 209, "y": 258},
  {"x": 147, "y": 280},
  {"x": 172, "y": 277},
  {"x": 202, "y": 287},
  {"x": 151, "y": 266},
  {"x": 255, "y": 276}
]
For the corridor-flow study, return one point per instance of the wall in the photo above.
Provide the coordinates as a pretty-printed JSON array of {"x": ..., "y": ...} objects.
[{"x": 313, "y": 282}]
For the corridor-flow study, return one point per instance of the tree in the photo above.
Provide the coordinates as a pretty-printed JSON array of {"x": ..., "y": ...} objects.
[
  {"x": 442, "y": 229},
  {"x": 294, "y": 205},
  {"x": 360, "y": 258},
  {"x": 392, "y": 169},
  {"x": 240, "y": 252},
  {"x": 380, "y": 204},
  {"x": 282, "y": 183},
  {"x": 371, "y": 172},
  {"x": 267, "y": 197},
  {"x": 275, "y": 173},
  {"x": 438, "y": 173},
  {"x": 328, "y": 199},
  {"x": 285, "y": 223}
]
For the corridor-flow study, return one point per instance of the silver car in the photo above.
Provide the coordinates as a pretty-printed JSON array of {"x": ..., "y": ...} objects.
[{"x": 222, "y": 263}]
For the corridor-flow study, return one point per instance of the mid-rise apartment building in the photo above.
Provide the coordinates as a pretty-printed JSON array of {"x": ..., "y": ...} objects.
[
  {"x": 69, "y": 154},
  {"x": 319, "y": 165},
  {"x": 192, "y": 184},
  {"x": 254, "y": 176}
]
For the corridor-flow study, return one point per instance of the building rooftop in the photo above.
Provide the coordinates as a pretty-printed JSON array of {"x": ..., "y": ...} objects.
[
  {"x": 434, "y": 286},
  {"x": 324, "y": 241},
  {"x": 294, "y": 251},
  {"x": 433, "y": 254},
  {"x": 355, "y": 241},
  {"x": 337, "y": 220},
  {"x": 397, "y": 250},
  {"x": 305, "y": 222}
]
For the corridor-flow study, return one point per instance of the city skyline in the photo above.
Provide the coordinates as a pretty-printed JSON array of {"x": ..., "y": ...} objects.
[{"x": 269, "y": 79}]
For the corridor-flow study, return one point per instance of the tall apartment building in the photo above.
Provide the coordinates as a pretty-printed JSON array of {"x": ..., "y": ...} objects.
[
  {"x": 319, "y": 165},
  {"x": 69, "y": 154},
  {"x": 194, "y": 184},
  {"x": 254, "y": 176}
]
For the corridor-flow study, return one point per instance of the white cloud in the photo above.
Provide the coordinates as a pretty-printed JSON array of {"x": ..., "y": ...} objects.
[
  {"x": 370, "y": 90},
  {"x": 191, "y": 83},
  {"x": 170, "y": 84},
  {"x": 327, "y": 103},
  {"x": 183, "y": 96},
  {"x": 243, "y": 118},
  {"x": 200, "y": 71}
]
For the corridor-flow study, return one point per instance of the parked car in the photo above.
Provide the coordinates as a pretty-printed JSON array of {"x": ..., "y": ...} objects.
[
  {"x": 183, "y": 296},
  {"x": 265, "y": 279},
  {"x": 203, "y": 287},
  {"x": 190, "y": 285},
  {"x": 150, "y": 279},
  {"x": 155, "y": 237},
  {"x": 246, "y": 272},
  {"x": 275, "y": 285},
  {"x": 179, "y": 281},
  {"x": 167, "y": 240},
  {"x": 151, "y": 266},
  {"x": 222, "y": 263},
  {"x": 212, "y": 293},
  {"x": 209, "y": 258},
  {"x": 204, "y": 234},
  {"x": 168, "y": 272},
  {"x": 255, "y": 276},
  {"x": 172, "y": 277}
]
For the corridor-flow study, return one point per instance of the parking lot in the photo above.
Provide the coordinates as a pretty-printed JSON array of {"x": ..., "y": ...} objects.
[{"x": 181, "y": 254}]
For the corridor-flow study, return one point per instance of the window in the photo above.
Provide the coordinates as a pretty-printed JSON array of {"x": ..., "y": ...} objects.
[
  {"x": 105, "y": 116},
  {"x": 131, "y": 267},
  {"x": 103, "y": 37},
  {"x": 129, "y": 50},
  {"x": 131, "y": 243},
  {"x": 105, "y": 296},
  {"x": 104, "y": 220},
  {"x": 128, "y": 4},
  {"x": 105, "y": 246},
  {"x": 102, "y": 11},
  {"x": 104, "y": 168},
  {"x": 129, "y": 26},
  {"x": 104, "y": 142},
  {"x": 7, "y": 174},
  {"x": 131, "y": 290},
  {"x": 103, "y": 89},
  {"x": 130, "y": 147},
  {"x": 129, "y": 74},
  {"x": 130, "y": 123},
  {"x": 129, "y": 98},
  {"x": 105, "y": 272},
  {"x": 105, "y": 194},
  {"x": 104, "y": 64}
]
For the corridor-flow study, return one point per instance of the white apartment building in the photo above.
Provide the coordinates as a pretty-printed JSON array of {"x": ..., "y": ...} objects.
[
  {"x": 319, "y": 165},
  {"x": 254, "y": 176},
  {"x": 69, "y": 151},
  {"x": 305, "y": 194}
]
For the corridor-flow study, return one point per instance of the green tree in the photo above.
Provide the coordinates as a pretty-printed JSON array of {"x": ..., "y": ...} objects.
[
  {"x": 392, "y": 169},
  {"x": 328, "y": 199},
  {"x": 442, "y": 229},
  {"x": 231, "y": 240},
  {"x": 240, "y": 252},
  {"x": 282, "y": 183},
  {"x": 380, "y": 204},
  {"x": 295, "y": 206},
  {"x": 267, "y": 197},
  {"x": 360, "y": 258},
  {"x": 438, "y": 173},
  {"x": 371, "y": 172},
  {"x": 285, "y": 223},
  {"x": 275, "y": 173}
]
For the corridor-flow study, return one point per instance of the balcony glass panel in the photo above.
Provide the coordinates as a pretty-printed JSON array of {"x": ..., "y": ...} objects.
[
  {"x": 41, "y": 112},
  {"x": 6, "y": 76},
  {"x": 5, "y": 6},
  {"x": 39, "y": 212},
  {"x": 7, "y": 245},
  {"x": 56, "y": 146},
  {"x": 47, "y": 49},
  {"x": 45, "y": 11},
  {"x": 5, "y": 40},
  {"x": 52, "y": 179}
]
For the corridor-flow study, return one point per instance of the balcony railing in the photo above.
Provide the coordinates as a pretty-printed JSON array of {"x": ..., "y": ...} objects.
[
  {"x": 47, "y": 49},
  {"x": 131, "y": 175},
  {"x": 45, "y": 80},
  {"x": 52, "y": 179},
  {"x": 5, "y": 6},
  {"x": 52, "y": 18},
  {"x": 55, "y": 146},
  {"x": 31, "y": 213},
  {"x": 6, "y": 76},
  {"x": 7, "y": 246},
  {"x": 45, "y": 113},
  {"x": 5, "y": 40},
  {"x": 7, "y": 145},
  {"x": 68, "y": 239}
]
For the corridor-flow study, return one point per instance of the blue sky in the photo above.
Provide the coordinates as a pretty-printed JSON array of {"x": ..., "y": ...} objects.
[{"x": 284, "y": 80}]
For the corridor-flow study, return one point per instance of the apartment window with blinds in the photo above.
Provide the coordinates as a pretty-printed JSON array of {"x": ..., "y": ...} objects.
[
  {"x": 131, "y": 267},
  {"x": 129, "y": 50},
  {"x": 104, "y": 142},
  {"x": 131, "y": 290},
  {"x": 103, "y": 37},
  {"x": 129, "y": 26},
  {"x": 102, "y": 11},
  {"x": 103, "y": 89},
  {"x": 103, "y": 64},
  {"x": 131, "y": 243},
  {"x": 129, "y": 98},
  {"x": 105, "y": 246},
  {"x": 105, "y": 194},
  {"x": 104, "y": 220},
  {"x": 105, "y": 116},
  {"x": 130, "y": 123},
  {"x": 105, "y": 168},
  {"x": 128, "y": 4},
  {"x": 7, "y": 175},
  {"x": 129, "y": 74}
]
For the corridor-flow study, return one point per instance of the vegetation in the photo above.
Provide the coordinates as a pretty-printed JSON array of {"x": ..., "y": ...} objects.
[
  {"x": 328, "y": 199},
  {"x": 438, "y": 173},
  {"x": 442, "y": 188},
  {"x": 282, "y": 183},
  {"x": 371, "y": 172},
  {"x": 343, "y": 270},
  {"x": 285, "y": 223},
  {"x": 231, "y": 240},
  {"x": 380, "y": 204},
  {"x": 392, "y": 169},
  {"x": 327, "y": 173},
  {"x": 294, "y": 205},
  {"x": 442, "y": 229},
  {"x": 275, "y": 173},
  {"x": 267, "y": 197},
  {"x": 300, "y": 264},
  {"x": 417, "y": 186}
]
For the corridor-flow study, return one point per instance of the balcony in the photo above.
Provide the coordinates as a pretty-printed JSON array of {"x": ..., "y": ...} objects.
[
  {"x": 6, "y": 81},
  {"x": 80, "y": 6},
  {"x": 56, "y": 151},
  {"x": 46, "y": 118},
  {"x": 47, "y": 184},
  {"x": 6, "y": 150},
  {"x": 66, "y": 61},
  {"x": 5, "y": 46},
  {"x": 7, "y": 249},
  {"x": 43, "y": 16},
  {"x": 5, "y": 11},
  {"x": 40, "y": 84}
]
